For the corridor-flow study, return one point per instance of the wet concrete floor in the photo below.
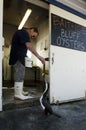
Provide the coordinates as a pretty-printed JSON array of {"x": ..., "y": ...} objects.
[
  {"x": 28, "y": 115},
  {"x": 32, "y": 118},
  {"x": 10, "y": 103}
]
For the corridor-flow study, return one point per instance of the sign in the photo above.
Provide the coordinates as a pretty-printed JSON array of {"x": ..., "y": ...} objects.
[{"x": 67, "y": 34}]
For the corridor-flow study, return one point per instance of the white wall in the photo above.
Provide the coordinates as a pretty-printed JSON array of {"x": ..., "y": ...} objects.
[
  {"x": 8, "y": 32},
  {"x": 42, "y": 42},
  {"x": 1, "y": 39},
  {"x": 79, "y": 5}
]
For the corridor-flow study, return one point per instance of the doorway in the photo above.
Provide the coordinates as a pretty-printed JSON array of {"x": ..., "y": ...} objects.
[{"x": 14, "y": 11}]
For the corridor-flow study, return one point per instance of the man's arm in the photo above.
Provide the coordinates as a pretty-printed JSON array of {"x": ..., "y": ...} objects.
[{"x": 31, "y": 48}]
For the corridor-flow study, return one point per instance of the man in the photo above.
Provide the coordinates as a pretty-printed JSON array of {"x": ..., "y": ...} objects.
[{"x": 20, "y": 44}]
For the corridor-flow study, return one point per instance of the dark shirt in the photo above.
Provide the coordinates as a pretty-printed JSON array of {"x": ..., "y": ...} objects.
[{"x": 18, "y": 47}]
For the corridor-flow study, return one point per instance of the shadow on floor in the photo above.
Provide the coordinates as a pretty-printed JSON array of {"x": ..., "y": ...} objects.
[{"x": 73, "y": 117}]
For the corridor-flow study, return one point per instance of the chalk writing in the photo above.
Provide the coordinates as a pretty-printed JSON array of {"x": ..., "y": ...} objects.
[{"x": 67, "y": 34}]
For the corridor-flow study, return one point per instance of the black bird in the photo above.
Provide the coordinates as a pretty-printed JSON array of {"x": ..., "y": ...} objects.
[{"x": 45, "y": 104}]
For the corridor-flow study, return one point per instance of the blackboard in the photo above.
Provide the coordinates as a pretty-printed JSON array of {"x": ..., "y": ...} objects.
[{"x": 65, "y": 33}]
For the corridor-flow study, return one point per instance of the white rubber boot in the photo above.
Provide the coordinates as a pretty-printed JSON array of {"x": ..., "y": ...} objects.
[
  {"x": 25, "y": 93},
  {"x": 18, "y": 87}
]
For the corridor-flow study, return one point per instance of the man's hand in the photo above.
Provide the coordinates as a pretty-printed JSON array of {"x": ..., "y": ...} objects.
[
  {"x": 41, "y": 59},
  {"x": 31, "y": 48}
]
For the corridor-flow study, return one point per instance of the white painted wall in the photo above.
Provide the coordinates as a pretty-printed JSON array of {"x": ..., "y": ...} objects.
[
  {"x": 1, "y": 40},
  {"x": 8, "y": 31},
  {"x": 68, "y": 72},
  {"x": 68, "y": 75},
  {"x": 42, "y": 40},
  {"x": 79, "y": 5}
]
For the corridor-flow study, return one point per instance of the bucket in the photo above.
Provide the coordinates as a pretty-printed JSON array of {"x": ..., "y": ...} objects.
[{"x": 28, "y": 62}]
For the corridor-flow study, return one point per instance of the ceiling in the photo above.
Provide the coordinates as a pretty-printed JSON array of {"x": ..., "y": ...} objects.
[{"x": 14, "y": 11}]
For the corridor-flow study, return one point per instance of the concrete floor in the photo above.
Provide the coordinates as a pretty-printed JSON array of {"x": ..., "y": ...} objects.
[
  {"x": 10, "y": 103},
  {"x": 33, "y": 118},
  {"x": 28, "y": 115}
]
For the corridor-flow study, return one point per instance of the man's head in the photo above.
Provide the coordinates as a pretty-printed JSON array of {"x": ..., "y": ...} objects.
[{"x": 33, "y": 32}]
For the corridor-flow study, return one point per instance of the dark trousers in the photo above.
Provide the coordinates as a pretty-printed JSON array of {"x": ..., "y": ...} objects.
[{"x": 19, "y": 72}]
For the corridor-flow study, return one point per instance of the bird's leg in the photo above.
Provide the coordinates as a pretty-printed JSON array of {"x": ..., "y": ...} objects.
[{"x": 45, "y": 111}]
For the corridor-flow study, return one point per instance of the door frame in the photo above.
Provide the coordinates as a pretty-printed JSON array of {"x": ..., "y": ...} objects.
[{"x": 1, "y": 43}]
